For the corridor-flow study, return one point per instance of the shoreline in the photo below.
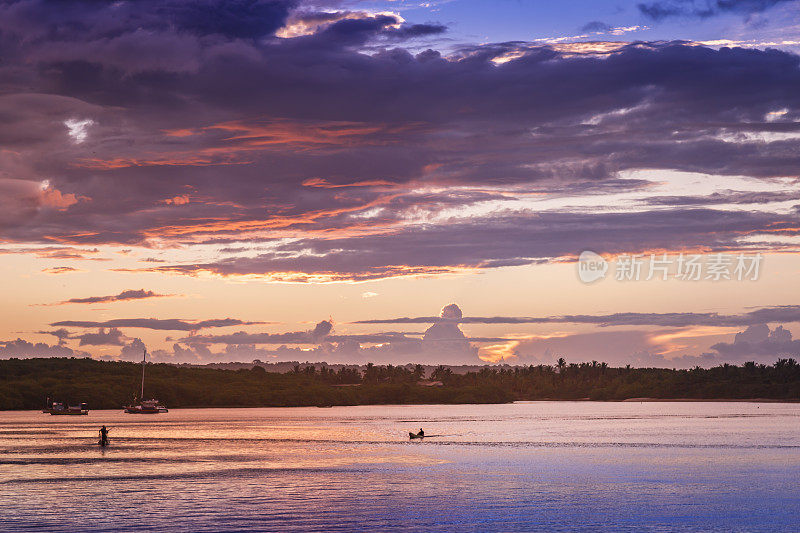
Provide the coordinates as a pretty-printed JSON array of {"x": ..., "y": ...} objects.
[
  {"x": 726, "y": 400},
  {"x": 582, "y": 400}
]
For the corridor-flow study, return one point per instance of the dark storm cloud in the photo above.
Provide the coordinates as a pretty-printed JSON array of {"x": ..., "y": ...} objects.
[
  {"x": 231, "y": 18},
  {"x": 413, "y": 31},
  {"x": 194, "y": 122},
  {"x": 704, "y": 8},
  {"x": 781, "y": 314},
  {"x": 78, "y": 19},
  {"x": 154, "y": 323}
]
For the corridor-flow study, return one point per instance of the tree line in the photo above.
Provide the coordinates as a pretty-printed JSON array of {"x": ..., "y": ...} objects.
[{"x": 26, "y": 383}]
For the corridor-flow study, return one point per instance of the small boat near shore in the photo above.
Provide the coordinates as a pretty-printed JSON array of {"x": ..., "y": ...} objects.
[
  {"x": 59, "y": 408},
  {"x": 145, "y": 407}
]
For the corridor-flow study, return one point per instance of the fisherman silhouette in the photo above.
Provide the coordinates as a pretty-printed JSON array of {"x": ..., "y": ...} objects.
[
  {"x": 421, "y": 433},
  {"x": 103, "y": 436}
]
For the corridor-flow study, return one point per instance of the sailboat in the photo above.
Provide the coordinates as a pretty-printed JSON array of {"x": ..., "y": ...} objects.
[{"x": 145, "y": 407}]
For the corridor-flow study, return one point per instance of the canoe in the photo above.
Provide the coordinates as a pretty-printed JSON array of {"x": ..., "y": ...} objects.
[{"x": 415, "y": 435}]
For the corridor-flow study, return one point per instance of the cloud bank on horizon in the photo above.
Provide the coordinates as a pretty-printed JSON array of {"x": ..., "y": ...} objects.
[
  {"x": 445, "y": 343},
  {"x": 316, "y": 142}
]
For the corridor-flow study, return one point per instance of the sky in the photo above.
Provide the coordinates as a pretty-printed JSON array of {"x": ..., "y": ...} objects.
[{"x": 401, "y": 182}]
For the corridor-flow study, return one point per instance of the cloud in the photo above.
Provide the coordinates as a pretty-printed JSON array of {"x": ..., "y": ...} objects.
[
  {"x": 596, "y": 26},
  {"x": 321, "y": 332},
  {"x": 371, "y": 181},
  {"x": 61, "y": 270},
  {"x": 130, "y": 294},
  {"x": 133, "y": 351},
  {"x": 443, "y": 343},
  {"x": 704, "y": 8},
  {"x": 384, "y": 24},
  {"x": 78, "y": 129},
  {"x": 781, "y": 313},
  {"x": 671, "y": 344},
  {"x": 413, "y": 31},
  {"x": 24, "y": 349},
  {"x": 155, "y": 324},
  {"x": 727, "y": 197},
  {"x": 510, "y": 239},
  {"x": 759, "y": 344},
  {"x": 662, "y": 348},
  {"x": 446, "y": 340},
  {"x": 113, "y": 337},
  {"x": 57, "y": 252},
  {"x": 406, "y": 119},
  {"x": 61, "y": 334},
  {"x": 614, "y": 347}
]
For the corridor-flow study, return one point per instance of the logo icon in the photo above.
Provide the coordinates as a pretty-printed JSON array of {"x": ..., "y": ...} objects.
[{"x": 591, "y": 267}]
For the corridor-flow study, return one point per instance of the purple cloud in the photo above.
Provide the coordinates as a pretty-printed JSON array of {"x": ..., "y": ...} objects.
[
  {"x": 154, "y": 323},
  {"x": 503, "y": 240},
  {"x": 757, "y": 342},
  {"x": 112, "y": 337},
  {"x": 131, "y": 294},
  {"x": 23, "y": 349},
  {"x": 663, "y": 9},
  {"x": 185, "y": 92},
  {"x": 782, "y": 314}
]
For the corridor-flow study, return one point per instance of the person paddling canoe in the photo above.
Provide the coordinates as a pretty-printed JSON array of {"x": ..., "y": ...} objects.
[{"x": 416, "y": 435}]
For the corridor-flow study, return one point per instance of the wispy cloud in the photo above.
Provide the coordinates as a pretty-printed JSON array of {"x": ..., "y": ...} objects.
[
  {"x": 775, "y": 314},
  {"x": 127, "y": 295},
  {"x": 155, "y": 323},
  {"x": 61, "y": 270}
]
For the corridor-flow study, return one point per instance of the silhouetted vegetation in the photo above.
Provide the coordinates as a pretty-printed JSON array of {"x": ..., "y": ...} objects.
[{"x": 25, "y": 383}]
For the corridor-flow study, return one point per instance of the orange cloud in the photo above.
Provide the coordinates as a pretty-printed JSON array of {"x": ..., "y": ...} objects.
[
  {"x": 325, "y": 184},
  {"x": 180, "y": 133},
  {"x": 225, "y": 225},
  {"x": 61, "y": 270},
  {"x": 383, "y": 272},
  {"x": 257, "y": 136},
  {"x": 55, "y": 199},
  {"x": 177, "y": 200}
]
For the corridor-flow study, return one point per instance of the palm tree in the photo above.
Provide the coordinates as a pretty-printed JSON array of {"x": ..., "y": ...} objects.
[
  {"x": 441, "y": 373},
  {"x": 561, "y": 364}
]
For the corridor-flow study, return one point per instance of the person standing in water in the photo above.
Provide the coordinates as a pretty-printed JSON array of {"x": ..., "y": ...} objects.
[{"x": 103, "y": 436}]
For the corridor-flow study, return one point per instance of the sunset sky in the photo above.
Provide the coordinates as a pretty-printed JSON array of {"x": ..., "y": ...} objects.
[{"x": 316, "y": 180}]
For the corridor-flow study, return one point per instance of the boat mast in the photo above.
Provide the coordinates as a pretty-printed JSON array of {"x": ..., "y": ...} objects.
[{"x": 144, "y": 356}]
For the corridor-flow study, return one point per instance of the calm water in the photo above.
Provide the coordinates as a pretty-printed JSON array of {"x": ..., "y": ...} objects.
[{"x": 521, "y": 467}]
